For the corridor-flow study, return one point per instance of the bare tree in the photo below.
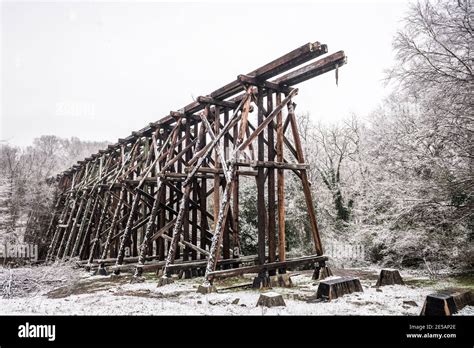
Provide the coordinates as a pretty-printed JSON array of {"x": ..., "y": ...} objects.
[
  {"x": 434, "y": 49},
  {"x": 327, "y": 148},
  {"x": 435, "y": 69}
]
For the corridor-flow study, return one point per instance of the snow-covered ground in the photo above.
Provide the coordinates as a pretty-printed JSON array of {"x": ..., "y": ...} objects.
[{"x": 78, "y": 293}]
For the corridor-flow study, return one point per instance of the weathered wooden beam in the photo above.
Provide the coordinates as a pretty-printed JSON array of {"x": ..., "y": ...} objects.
[
  {"x": 314, "y": 69},
  {"x": 214, "y": 101},
  {"x": 251, "y": 80},
  {"x": 221, "y": 171},
  {"x": 271, "y": 225},
  {"x": 184, "y": 243},
  {"x": 272, "y": 164},
  {"x": 260, "y": 180},
  {"x": 286, "y": 62},
  {"x": 289, "y": 263},
  {"x": 280, "y": 184}
]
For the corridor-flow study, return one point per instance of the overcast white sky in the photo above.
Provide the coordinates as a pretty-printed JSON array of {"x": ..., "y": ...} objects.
[{"x": 101, "y": 70}]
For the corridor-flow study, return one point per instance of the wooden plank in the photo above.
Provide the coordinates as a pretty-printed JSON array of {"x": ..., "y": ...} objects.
[
  {"x": 217, "y": 102},
  {"x": 202, "y": 263},
  {"x": 289, "y": 263},
  {"x": 184, "y": 244},
  {"x": 314, "y": 69}
]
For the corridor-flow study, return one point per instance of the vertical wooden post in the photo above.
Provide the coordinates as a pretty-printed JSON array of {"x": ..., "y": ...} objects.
[
  {"x": 235, "y": 204},
  {"x": 271, "y": 185},
  {"x": 161, "y": 222},
  {"x": 194, "y": 213},
  {"x": 203, "y": 201},
  {"x": 261, "y": 209},
  {"x": 187, "y": 157},
  {"x": 217, "y": 177},
  {"x": 280, "y": 184},
  {"x": 169, "y": 198}
]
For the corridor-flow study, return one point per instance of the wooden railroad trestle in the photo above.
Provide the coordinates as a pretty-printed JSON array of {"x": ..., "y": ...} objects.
[{"x": 167, "y": 196}]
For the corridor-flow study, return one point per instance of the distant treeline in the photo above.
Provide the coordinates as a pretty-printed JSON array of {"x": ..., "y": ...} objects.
[{"x": 23, "y": 180}]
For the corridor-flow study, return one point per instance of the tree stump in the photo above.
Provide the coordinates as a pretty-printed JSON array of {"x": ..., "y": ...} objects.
[
  {"x": 447, "y": 302},
  {"x": 271, "y": 299},
  {"x": 337, "y": 287},
  {"x": 389, "y": 277}
]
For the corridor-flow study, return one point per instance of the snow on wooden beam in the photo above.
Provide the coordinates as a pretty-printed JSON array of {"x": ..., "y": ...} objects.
[{"x": 314, "y": 69}]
